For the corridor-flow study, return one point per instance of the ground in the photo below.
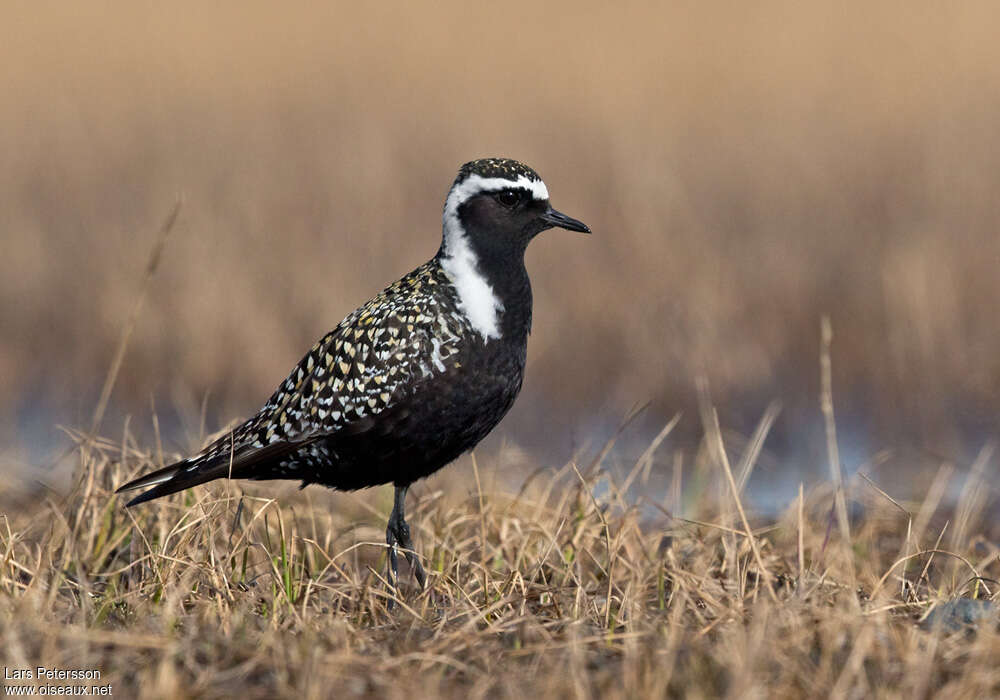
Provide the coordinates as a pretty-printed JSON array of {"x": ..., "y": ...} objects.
[{"x": 574, "y": 583}]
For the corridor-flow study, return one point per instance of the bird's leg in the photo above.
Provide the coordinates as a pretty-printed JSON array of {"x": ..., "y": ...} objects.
[
  {"x": 403, "y": 535},
  {"x": 390, "y": 539},
  {"x": 397, "y": 533}
]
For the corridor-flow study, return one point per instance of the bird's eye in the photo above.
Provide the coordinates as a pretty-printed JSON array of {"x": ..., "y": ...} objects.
[{"x": 508, "y": 198}]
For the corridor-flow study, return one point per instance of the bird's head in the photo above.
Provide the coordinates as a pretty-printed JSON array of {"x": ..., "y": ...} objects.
[{"x": 495, "y": 207}]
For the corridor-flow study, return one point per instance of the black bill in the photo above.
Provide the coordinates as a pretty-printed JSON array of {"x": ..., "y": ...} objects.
[{"x": 560, "y": 220}]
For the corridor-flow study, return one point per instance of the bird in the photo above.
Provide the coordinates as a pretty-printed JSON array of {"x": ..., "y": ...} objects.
[{"x": 413, "y": 378}]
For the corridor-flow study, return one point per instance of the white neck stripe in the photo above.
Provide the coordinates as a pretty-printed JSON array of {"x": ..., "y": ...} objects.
[{"x": 475, "y": 295}]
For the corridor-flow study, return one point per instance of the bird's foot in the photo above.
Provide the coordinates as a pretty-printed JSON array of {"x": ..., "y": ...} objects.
[
  {"x": 397, "y": 535},
  {"x": 403, "y": 537}
]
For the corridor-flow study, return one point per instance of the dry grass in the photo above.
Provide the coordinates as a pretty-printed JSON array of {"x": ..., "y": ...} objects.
[{"x": 575, "y": 583}]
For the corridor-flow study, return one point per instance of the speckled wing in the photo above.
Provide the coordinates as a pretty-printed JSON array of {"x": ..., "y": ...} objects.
[
  {"x": 356, "y": 384},
  {"x": 369, "y": 362}
]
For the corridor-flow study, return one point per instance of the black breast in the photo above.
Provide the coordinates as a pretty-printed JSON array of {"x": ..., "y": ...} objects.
[
  {"x": 443, "y": 417},
  {"x": 461, "y": 386}
]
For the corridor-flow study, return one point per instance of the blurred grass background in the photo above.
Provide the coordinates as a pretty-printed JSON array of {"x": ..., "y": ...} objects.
[{"x": 746, "y": 170}]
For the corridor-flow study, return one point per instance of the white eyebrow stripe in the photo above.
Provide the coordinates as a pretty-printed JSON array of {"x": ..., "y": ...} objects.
[{"x": 476, "y": 184}]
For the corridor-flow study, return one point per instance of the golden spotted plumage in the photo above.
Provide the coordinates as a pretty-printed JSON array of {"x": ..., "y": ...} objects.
[{"x": 402, "y": 335}]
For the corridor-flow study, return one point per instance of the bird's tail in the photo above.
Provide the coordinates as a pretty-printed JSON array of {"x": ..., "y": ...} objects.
[
  {"x": 177, "y": 477},
  {"x": 246, "y": 462}
]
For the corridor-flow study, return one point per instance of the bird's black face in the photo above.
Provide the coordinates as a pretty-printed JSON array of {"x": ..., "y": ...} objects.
[
  {"x": 507, "y": 219},
  {"x": 494, "y": 208}
]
